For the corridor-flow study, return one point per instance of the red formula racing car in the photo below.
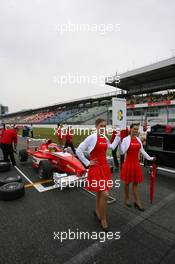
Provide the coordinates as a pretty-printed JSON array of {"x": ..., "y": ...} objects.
[{"x": 48, "y": 157}]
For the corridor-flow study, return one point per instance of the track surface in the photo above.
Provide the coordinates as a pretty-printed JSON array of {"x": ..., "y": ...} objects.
[{"x": 27, "y": 225}]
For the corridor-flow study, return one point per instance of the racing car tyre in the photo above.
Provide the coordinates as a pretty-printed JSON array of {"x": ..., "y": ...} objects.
[
  {"x": 23, "y": 155},
  {"x": 11, "y": 191},
  {"x": 45, "y": 169},
  {"x": 4, "y": 166},
  {"x": 4, "y": 179}
]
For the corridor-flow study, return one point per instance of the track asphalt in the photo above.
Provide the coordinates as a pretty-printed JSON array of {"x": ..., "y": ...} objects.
[{"x": 30, "y": 227}]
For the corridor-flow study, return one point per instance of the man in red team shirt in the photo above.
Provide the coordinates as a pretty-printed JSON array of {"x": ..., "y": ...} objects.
[
  {"x": 8, "y": 138},
  {"x": 60, "y": 134}
]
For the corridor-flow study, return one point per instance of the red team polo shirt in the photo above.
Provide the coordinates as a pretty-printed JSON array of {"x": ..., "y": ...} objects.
[
  {"x": 9, "y": 136},
  {"x": 69, "y": 136}
]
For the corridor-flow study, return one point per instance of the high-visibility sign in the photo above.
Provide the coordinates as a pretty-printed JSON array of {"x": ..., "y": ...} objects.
[{"x": 119, "y": 112}]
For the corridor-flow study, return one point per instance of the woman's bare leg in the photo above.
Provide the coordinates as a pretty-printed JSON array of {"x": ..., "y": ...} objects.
[
  {"x": 98, "y": 212},
  {"x": 136, "y": 194},
  {"x": 127, "y": 200},
  {"x": 103, "y": 208}
]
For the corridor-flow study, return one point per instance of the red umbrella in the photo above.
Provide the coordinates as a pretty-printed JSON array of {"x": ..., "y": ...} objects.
[{"x": 152, "y": 181}]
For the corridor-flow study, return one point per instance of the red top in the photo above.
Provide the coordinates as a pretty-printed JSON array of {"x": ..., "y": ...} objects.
[
  {"x": 123, "y": 133},
  {"x": 99, "y": 152},
  {"x": 168, "y": 129},
  {"x": 59, "y": 133},
  {"x": 131, "y": 170},
  {"x": 9, "y": 136},
  {"x": 133, "y": 151},
  {"x": 114, "y": 133},
  {"x": 99, "y": 174},
  {"x": 69, "y": 136}
]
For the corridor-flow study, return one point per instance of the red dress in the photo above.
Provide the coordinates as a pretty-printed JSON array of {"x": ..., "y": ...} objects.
[
  {"x": 99, "y": 175},
  {"x": 131, "y": 170}
]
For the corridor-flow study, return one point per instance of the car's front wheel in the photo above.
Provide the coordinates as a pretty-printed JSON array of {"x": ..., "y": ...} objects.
[
  {"x": 45, "y": 169},
  {"x": 23, "y": 155}
]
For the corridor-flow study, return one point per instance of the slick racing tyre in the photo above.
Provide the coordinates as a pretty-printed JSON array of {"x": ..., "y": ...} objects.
[
  {"x": 45, "y": 169},
  {"x": 4, "y": 179},
  {"x": 23, "y": 155},
  {"x": 4, "y": 166},
  {"x": 11, "y": 191}
]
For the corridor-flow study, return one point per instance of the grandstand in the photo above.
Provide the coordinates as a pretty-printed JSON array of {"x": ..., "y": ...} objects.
[
  {"x": 149, "y": 91},
  {"x": 3, "y": 109}
]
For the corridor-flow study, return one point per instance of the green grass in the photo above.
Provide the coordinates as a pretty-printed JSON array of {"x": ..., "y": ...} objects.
[{"x": 49, "y": 133}]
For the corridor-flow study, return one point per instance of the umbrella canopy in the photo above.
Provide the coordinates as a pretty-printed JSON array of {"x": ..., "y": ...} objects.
[{"x": 152, "y": 181}]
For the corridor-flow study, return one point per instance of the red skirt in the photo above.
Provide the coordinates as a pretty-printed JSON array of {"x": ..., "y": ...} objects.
[
  {"x": 131, "y": 172},
  {"x": 99, "y": 178}
]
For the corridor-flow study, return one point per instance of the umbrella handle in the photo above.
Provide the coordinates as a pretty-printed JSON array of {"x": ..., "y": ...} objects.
[{"x": 155, "y": 159}]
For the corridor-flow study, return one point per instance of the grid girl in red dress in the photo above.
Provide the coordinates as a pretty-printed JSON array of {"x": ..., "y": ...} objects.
[
  {"x": 131, "y": 171},
  {"x": 99, "y": 174}
]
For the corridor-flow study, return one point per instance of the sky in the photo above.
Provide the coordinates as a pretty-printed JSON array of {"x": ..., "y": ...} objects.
[{"x": 58, "y": 50}]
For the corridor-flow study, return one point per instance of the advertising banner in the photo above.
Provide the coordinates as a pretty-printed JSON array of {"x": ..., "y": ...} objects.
[{"x": 119, "y": 113}]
